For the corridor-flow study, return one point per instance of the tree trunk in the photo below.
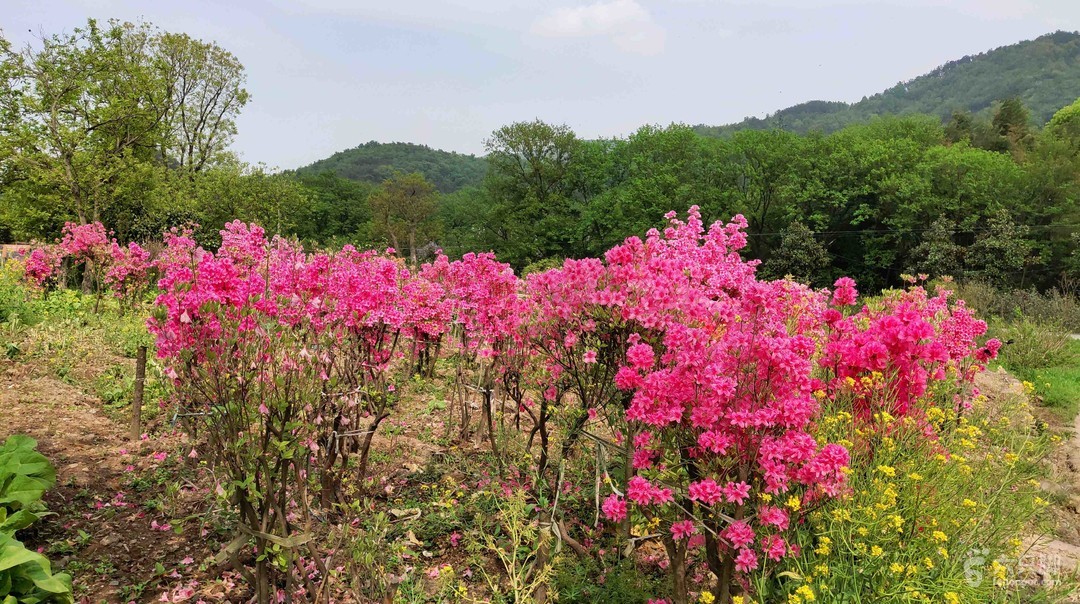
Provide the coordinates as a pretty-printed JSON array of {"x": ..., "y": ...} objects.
[
  {"x": 137, "y": 402},
  {"x": 412, "y": 247},
  {"x": 676, "y": 551}
]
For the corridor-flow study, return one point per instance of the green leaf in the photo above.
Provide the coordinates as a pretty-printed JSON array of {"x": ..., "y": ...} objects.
[
  {"x": 19, "y": 520},
  {"x": 25, "y": 474}
]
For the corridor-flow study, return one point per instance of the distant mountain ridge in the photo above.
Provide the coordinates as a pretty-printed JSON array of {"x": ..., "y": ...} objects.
[
  {"x": 1044, "y": 73},
  {"x": 374, "y": 162}
]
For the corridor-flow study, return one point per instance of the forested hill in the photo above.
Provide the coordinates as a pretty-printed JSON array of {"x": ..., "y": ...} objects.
[
  {"x": 374, "y": 162},
  {"x": 1044, "y": 73}
]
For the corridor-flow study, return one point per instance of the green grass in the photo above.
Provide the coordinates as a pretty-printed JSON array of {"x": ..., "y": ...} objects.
[{"x": 1058, "y": 386}]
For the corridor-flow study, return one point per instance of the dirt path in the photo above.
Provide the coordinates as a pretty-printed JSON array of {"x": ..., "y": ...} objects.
[
  {"x": 1049, "y": 556},
  {"x": 102, "y": 531}
]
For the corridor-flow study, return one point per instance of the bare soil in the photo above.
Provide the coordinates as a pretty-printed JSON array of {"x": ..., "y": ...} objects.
[
  {"x": 1049, "y": 556},
  {"x": 101, "y": 532}
]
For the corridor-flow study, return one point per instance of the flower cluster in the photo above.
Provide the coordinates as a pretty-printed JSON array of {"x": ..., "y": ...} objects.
[
  {"x": 715, "y": 383},
  {"x": 41, "y": 265},
  {"x": 124, "y": 269}
]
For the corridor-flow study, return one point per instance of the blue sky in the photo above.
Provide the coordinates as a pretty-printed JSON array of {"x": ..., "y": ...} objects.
[{"x": 326, "y": 75}]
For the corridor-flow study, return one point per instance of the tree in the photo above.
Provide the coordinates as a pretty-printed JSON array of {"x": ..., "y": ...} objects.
[
  {"x": 1002, "y": 253},
  {"x": 960, "y": 127},
  {"x": 203, "y": 96},
  {"x": 1012, "y": 122},
  {"x": 761, "y": 173},
  {"x": 800, "y": 255},
  {"x": 937, "y": 254},
  {"x": 85, "y": 107},
  {"x": 403, "y": 211},
  {"x": 339, "y": 207},
  {"x": 90, "y": 116},
  {"x": 238, "y": 191},
  {"x": 530, "y": 183}
]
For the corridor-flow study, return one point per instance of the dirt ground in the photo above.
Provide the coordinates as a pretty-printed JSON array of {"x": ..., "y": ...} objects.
[
  {"x": 1058, "y": 553},
  {"x": 101, "y": 533},
  {"x": 112, "y": 538}
]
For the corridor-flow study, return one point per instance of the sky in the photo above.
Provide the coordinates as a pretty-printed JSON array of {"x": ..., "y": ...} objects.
[{"x": 328, "y": 75}]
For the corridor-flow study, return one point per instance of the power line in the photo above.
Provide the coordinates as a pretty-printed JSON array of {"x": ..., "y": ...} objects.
[{"x": 909, "y": 231}]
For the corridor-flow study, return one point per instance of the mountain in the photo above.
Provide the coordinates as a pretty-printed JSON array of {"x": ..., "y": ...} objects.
[
  {"x": 1044, "y": 73},
  {"x": 373, "y": 162}
]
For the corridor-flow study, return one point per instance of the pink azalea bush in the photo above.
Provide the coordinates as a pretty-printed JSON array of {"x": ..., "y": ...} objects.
[
  {"x": 707, "y": 384},
  {"x": 42, "y": 265},
  {"x": 128, "y": 274}
]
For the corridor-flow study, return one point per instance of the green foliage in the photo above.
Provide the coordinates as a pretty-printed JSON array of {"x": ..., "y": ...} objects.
[
  {"x": 338, "y": 208},
  {"x": 94, "y": 119},
  {"x": 933, "y": 521},
  {"x": 1040, "y": 73},
  {"x": 25, "y": 576},
  {"x": 937, "y": 254},
  {"x": 577, "y": 581},
  {"x": 375, "y": 162},
  {"x": 517, "y": 543},
  {"x": 1031, "y": 345},
  {"x": 800, "y": 255},
  {"x": 404, "y": 212},
  {"x": 1058, "y": 387},
  {"x": 1001, "y": 253},
  {"x": 25, "y": 474},
  {"x": 532, "y": 212}
]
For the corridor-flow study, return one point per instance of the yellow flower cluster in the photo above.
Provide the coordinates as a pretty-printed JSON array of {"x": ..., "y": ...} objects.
[{"x": 915, "y": 505}]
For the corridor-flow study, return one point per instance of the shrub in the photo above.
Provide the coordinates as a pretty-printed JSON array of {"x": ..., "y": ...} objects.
[
  {"x": 1031, "y": 344},
  {"x": 25, "y": 576}
]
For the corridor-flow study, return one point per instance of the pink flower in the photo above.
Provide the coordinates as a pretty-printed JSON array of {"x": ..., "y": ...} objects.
[
  {"x": 738, "y": 534},
  {"x": 773, "y": 516},
  {"x": 746, "y": 561},
  {"x": 682, "y": 529},
  {"x": 736, "y": 492},
  {"x": 640, "y": 356},
  {"x": 705, "y": 491},
  {"x": 614, "y": 508},
  {"x": 774, "y": 547},
  {"x": 589, "y": 357},
  {"x": 844, "y": 293}
]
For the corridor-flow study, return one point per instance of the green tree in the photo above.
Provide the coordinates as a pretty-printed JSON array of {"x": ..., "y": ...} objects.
[
  {"x": 339, "y": 209},
  {"x": 799, "y": 255},
  {"x": 1002, "y": 254},
  {"x": 533, "y": 213},
  {"x": 404, "y": 211},
  {"x": 938, "y": 254},
  {"x": 1011, "y": 122},
  {"x": 237, "y": 191},
  {"x": 89, "y": 116}
]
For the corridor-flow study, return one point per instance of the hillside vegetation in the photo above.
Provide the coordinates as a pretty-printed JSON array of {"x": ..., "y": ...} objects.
[
  {"x": 1043, "y": 73},
  {"x": 375, "y": 162}
]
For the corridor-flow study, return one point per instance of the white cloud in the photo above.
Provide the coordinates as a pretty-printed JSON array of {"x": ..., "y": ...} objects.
[{"x": 629, "y": 26}]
